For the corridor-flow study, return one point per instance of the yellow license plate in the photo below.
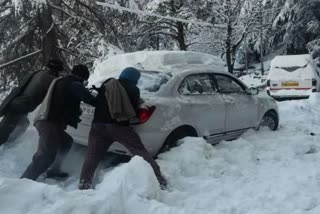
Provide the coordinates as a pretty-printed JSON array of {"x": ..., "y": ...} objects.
[{"x": 290, "y": 84}]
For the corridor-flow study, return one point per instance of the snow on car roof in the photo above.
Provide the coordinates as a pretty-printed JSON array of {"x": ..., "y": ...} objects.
[
  {"x": 165, "y": 61},
  {"x": 290, "y": 60}
]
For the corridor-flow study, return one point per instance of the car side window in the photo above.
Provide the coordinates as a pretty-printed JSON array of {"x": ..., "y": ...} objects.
[
  {"x": 197, "y": 84},
  {"x": 228, "y": 85}
]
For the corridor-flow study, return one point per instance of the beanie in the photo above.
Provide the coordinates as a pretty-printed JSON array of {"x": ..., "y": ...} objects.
[{"x": 131, "y": 74}]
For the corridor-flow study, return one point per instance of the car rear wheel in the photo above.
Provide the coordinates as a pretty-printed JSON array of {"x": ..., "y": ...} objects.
[
  {"x": 271, "y": 120},
  {"x": 175, "y": 136}
]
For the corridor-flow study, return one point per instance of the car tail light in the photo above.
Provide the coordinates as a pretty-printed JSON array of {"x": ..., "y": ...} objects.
[
  {"x": 145, "y": 113},
  {"x": 268, "y": 83},
  {"x": 314, "y": 82}
]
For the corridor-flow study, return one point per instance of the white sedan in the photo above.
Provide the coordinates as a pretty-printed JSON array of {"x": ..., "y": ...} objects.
[{"x": 192, "y": 101}]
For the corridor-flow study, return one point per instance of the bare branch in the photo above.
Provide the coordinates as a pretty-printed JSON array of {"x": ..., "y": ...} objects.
[
  {"x": 60, "y": 9},
  {"x": 74, "y": 54},
  {"x": 92, "y": 11},
  {"x": 78, "y": 15},
  {"x": 3, "y": 18},
  {"x": 163, "y": 33},
  {"x": 48, "y": 31},
  {"x": 23, "y": 26},
  {"x": 6, "y": 8},
  {"x": 159, "y": 28},
  {"x": 19, "y": 59},
  {"x": 4, "y": 3},
  {"x": 197, "y": 43}
]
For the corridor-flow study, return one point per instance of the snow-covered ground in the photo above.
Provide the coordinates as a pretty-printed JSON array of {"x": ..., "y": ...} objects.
[
  {"x": 253, "y": 80},
  {"x": 263, "y": 172}
]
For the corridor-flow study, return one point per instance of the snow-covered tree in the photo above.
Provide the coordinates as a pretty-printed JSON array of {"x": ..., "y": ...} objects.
[
  {"x": 227, "y": 16},
  {"x": 35, "y": 31},
  {"x": 162, "y": 30}
]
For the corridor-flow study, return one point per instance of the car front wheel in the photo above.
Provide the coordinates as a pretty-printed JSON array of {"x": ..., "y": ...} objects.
[{"x": 271, "y": 120}]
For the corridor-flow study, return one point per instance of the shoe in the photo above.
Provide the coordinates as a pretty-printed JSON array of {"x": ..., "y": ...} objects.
[
  {"x": 84, "y": 185},
  {"x": 56, "y": 174},
  {"x": 163, "y": 183}
]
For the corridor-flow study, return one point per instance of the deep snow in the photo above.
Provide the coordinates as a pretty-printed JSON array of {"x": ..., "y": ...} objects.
[{"x": 263, "y": 172}]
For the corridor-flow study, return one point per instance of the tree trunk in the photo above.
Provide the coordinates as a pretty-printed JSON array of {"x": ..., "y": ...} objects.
[
  {"x": 229, "y": 37},
  {"x": 48, "y": 33},
  {"x": 229, "y": 49},
  {"x": 181, "y": 39}
]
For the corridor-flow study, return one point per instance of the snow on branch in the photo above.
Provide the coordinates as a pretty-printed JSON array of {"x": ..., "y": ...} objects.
[
  {"x": 140, "y": 12},
  {"x": 18, "y": 3}
]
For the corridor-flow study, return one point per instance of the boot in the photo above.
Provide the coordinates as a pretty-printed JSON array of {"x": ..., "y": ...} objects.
[
  {"x": 83, "y": 185},
  {"x": 163, "y": 183}
]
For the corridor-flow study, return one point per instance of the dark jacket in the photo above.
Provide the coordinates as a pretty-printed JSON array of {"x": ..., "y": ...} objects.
[
  {"x": 29, "y": 94},
  {"x": 102, "y": 114},
  {"x": 66, "y": 97}
]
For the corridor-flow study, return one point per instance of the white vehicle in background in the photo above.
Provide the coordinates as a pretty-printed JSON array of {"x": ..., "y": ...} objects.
[
  {"x": 293, "y": 76},
  {"x": 192, "y": 98}
]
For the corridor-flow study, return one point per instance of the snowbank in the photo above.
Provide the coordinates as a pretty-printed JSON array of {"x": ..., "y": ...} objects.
[
  {"x": 125, "y": 190},
  {"x": 262, "y": 172},
  {"x": 252, "y": 80}
]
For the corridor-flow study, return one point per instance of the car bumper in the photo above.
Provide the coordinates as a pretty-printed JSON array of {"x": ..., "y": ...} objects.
[{"x": 293, "y": 93}]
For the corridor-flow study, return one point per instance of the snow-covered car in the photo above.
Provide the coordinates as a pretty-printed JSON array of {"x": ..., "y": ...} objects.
[
  {"x": 190, "y": 100},
  {"x": 293, "y": 76}
]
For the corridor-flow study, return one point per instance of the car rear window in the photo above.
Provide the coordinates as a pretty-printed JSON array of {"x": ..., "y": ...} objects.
[
  {"x": 292, "y": 68},
  {"x": 152, "y": 81},
  {"x": 149, "y": 82}
]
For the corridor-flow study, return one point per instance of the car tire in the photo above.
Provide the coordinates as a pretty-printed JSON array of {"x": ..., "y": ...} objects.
[
  {"x": 271, "y": 120},
  {"x": 175, "y": 136}
]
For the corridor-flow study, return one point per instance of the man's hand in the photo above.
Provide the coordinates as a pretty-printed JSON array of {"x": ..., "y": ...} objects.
[{"x": 94, "y": 88}]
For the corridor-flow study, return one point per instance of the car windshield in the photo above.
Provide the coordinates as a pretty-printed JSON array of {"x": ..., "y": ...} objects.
[{"x": 152, "y": 81}]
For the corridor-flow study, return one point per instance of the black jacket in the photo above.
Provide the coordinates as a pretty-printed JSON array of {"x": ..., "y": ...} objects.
[
  {"x": 102, "y": 114},
  {"x": 65, "y": 102},
  {"x": 29, "y": 94}
]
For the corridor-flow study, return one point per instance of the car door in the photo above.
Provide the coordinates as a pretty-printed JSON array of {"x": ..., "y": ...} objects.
[
  {"x": 203, "y": 107},
  {"x": 242, "y": 107}
]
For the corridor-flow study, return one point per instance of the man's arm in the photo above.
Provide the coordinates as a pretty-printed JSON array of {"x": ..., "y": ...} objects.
[
  {"x": 136, "y": 99},
  {"x": 78, "y": 90}
]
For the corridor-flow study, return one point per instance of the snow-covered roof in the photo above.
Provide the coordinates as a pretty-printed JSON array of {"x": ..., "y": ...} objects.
[
  {"x": 290, "y": 61},
  {"x": 166, "y": 61}
]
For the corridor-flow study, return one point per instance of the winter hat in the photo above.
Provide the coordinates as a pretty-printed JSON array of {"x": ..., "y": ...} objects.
[
  {"x": 55, "y": 65},
  {"x": 81, "y": 71},
  {"x": 131, "y": 74}
]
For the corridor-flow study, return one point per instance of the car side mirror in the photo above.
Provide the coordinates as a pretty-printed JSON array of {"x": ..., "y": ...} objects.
[{"x": 253, "y": 91}]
